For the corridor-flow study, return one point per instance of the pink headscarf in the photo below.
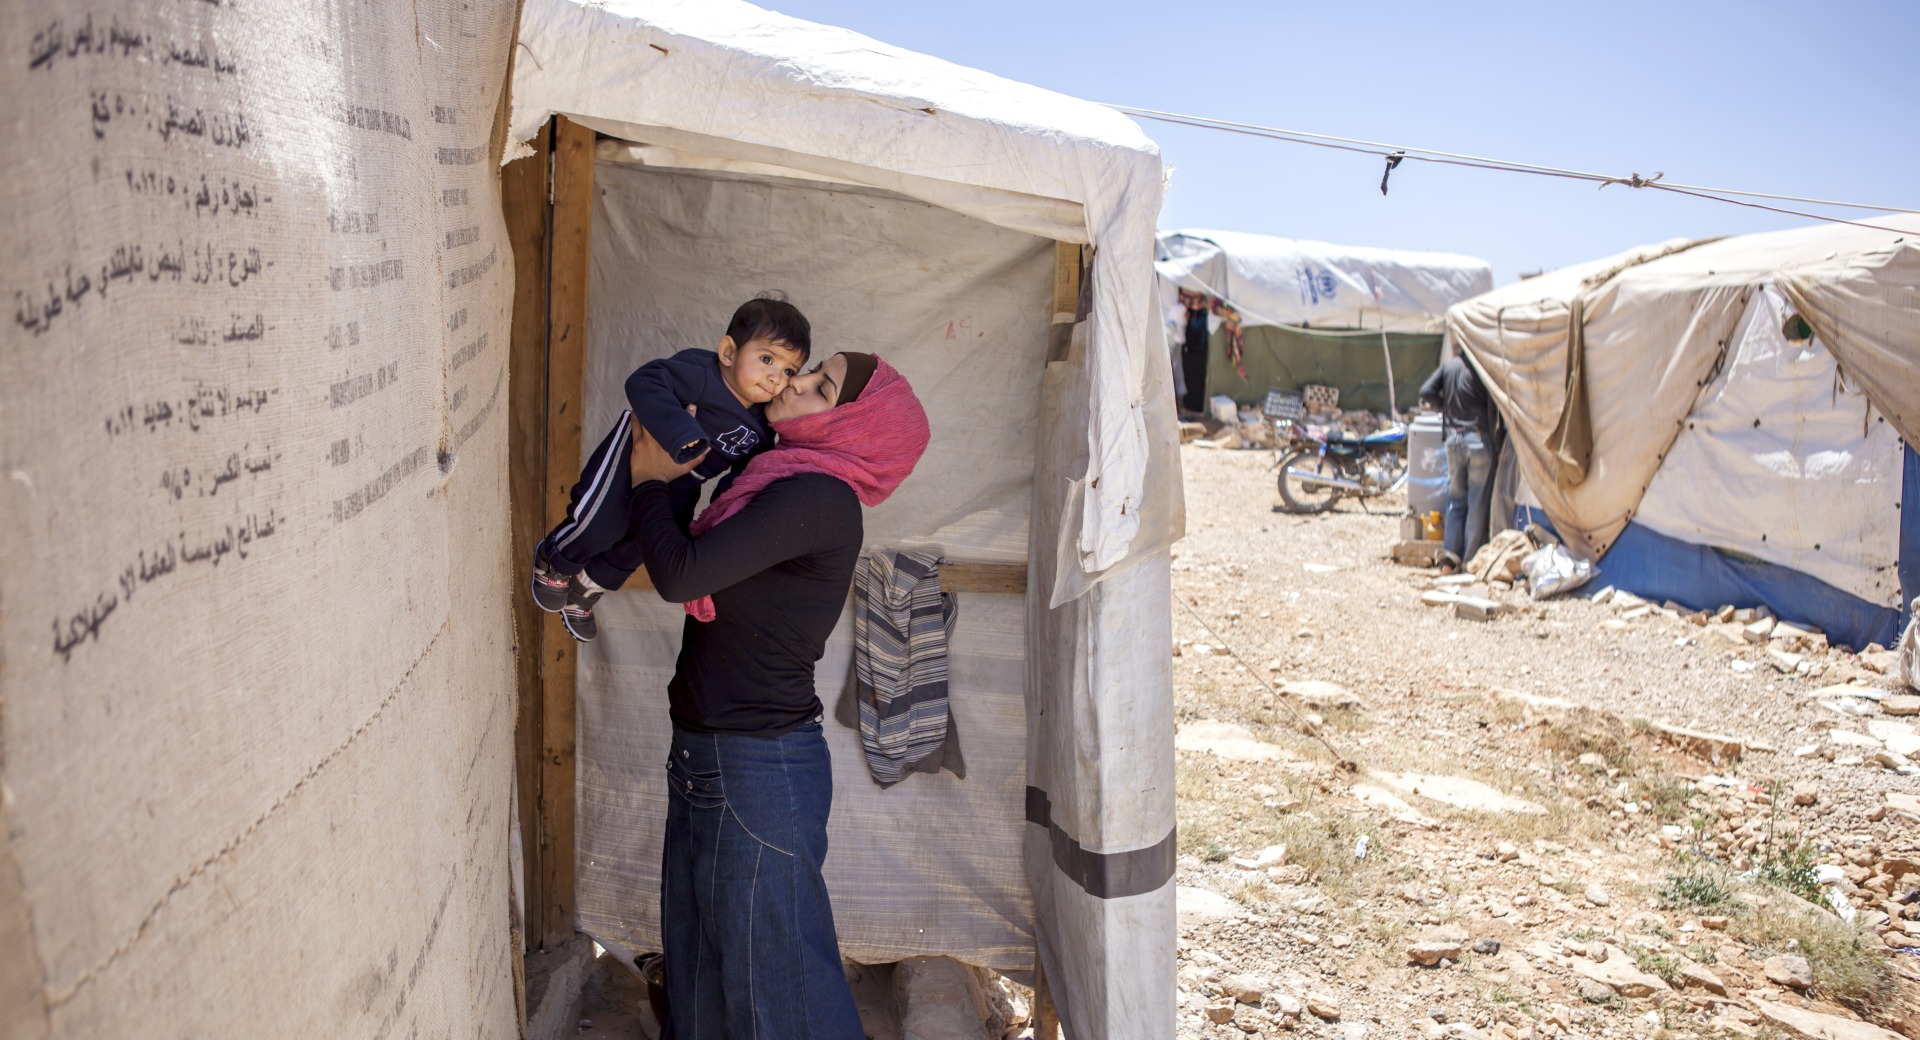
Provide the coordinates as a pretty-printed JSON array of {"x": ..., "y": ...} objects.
[{"x": 871, "y": 443}]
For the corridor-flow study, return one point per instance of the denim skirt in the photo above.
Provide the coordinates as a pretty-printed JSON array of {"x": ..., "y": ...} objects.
[{"x": 751, "y": 950}]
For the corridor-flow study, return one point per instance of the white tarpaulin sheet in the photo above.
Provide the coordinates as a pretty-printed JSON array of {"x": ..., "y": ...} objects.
[
  {"x": 258, "y": 678},
  {"x": 1784, "y": 461},
  {"x": 1283, "y": 281},
  {"x": 962, "y": 308},
  {"x": 1657, "y": 324},
  {"x": 741, "y": 84}
]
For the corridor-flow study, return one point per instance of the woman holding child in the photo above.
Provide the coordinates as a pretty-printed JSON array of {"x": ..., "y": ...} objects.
[{"x": 751, "y": 949}]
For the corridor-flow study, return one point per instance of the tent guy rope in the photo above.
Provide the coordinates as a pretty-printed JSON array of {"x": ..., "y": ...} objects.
[
  {"x": 1395, "y": 154},
  {"x": 1311, "y": 730}
]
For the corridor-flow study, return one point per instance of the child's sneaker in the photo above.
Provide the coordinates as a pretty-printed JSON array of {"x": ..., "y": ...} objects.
[
  {"x": 577, "y": 615},
  {"x": 549, "y": 585}
]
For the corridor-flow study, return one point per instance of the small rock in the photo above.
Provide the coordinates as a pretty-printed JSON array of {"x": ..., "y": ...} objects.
[
  {"x": 1758, "y": 631},
  {"x": 1696, "y": 975},
  {"x": 1805, "y": 793},
  {"x": 1487, "y": 947},
  {"x": 1595, "y": 992},
  {"x": 1429, "y": 954},
  {"x": 1789, "y": 969},
  {"x": 1804, "y": 1022},
  {"x": 1782, "y": 660},
  {"x": 1220, "y": 1014},
  {"x": 1286, "y": 1006},
  {"x": 1619, "y": 974},
  {"x": 1323, "y": 1005},
  {"x": 1340, "y": 940},
  {"x": 1901, "y": 704},
  {"x": 1507, "y": 852},
  {"x": 1320, "y": 694},
  {"x": 1597, "y": 895},
  {"x": 1244, "y": 989},
  {"x": 1715, "y": 922}
]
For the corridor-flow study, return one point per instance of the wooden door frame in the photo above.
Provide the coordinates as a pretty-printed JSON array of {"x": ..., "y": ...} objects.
[{"x": 547, "y": 198}]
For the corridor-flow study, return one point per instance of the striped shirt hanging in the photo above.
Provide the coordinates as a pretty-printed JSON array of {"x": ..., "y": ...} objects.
[{"x": 901, "y": 625}]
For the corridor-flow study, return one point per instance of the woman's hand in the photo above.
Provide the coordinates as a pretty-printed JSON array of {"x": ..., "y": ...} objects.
[{"x": 649, "y": 461}]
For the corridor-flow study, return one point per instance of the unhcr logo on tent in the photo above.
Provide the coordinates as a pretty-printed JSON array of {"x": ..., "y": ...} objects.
[{"x": 1317, "y": 285}]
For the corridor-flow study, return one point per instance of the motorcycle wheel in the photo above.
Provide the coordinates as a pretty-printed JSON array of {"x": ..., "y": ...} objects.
[{"x": 1297, "y": 496}]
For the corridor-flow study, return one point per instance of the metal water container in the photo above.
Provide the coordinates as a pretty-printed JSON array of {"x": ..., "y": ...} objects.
[{"x": 1426, "y": 465}]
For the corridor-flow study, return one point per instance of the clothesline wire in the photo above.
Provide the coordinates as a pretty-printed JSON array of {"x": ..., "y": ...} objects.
[
  {"x": 1363, "y": 147},
  {"x": 1210, "y": 122}
]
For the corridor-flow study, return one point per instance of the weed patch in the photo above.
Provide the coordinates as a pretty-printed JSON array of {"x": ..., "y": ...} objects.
[
  {"x": 1696, "y": 892},
  {"x": 1849, "y": 965}
]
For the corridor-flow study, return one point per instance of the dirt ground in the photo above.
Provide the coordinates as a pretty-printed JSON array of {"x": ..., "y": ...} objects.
[{"x": 1585, "y": 818}]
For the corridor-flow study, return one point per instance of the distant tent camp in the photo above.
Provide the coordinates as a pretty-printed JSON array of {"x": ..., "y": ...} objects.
[
  {"x": 1729, "y": 421},
  {"x": 1306, "y": 312}
]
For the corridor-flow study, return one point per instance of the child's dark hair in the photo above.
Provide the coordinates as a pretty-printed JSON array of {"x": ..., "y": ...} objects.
[{"x": 769, "y": 316}]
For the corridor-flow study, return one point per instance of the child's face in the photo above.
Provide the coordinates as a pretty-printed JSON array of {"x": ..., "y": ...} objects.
[{"x": 759, "y": 369}]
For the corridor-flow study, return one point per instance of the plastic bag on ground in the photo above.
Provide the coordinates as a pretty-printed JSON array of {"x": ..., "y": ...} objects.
[{"x": 1551, "y": 570}]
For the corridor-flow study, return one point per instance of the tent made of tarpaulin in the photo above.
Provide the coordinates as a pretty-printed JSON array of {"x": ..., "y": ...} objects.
[
  {"x": 1297, "y": 301},
  {"x": 994, "y": 241},
  {"x": 258, "y": 693},
  {"x": 1725, "y": 421}
]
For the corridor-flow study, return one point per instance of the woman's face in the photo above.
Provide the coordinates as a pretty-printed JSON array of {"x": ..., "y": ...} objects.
[{"x": 810, "y": 392}]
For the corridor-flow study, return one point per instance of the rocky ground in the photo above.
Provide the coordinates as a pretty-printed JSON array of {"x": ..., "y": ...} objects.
[{"x": 1577, "y": 818}]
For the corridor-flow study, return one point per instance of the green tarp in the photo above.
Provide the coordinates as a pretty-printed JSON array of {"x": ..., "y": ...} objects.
[{"x": 1351, "y": 362}]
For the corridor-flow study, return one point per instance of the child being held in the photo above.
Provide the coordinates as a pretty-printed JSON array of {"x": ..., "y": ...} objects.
[{"x": 592, "y": 550}]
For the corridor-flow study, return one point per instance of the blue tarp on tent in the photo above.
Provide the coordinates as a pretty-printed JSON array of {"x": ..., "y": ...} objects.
[{"x": 1658, "y": 568}]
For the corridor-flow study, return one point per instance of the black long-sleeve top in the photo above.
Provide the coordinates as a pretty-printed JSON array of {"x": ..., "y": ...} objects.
[{"x": 778, "y": 572}]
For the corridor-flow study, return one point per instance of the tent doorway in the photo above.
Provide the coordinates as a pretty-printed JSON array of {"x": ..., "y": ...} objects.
[{"x": 1194, "y": 353}]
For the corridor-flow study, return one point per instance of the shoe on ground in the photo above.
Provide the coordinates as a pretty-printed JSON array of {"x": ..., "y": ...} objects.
[
  {"x": 577, "y": 615},
  {"x": 549, "y": 585}
]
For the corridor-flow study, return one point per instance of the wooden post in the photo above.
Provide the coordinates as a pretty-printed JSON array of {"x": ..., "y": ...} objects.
[
  {"x": 1067, "y": 262},
  {"x": 523, "y": 198},
  {"x": 566, "y": 355}
]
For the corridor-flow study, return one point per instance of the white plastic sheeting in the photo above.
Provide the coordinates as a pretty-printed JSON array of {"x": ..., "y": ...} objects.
[
  {"x": 1658, "y": 322},
  {"x": 933, "y": 864},
  {"x": 741, "y": 84},
  {"x": 258, "y": 678},
  {"x": 1283, "y": 281},
  {"x": 1784, "y": 461}
]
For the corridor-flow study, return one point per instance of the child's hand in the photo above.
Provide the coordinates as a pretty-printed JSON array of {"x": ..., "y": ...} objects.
[
  {"x": 692, "y": 409},
  {"x": 649, "y": 461}
]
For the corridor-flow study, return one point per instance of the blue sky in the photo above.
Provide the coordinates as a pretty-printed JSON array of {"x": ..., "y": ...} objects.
[{"x": 1813, "y": 99}]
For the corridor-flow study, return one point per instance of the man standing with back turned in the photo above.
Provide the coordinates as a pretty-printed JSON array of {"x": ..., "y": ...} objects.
[{"x": 1468, "y": 417}]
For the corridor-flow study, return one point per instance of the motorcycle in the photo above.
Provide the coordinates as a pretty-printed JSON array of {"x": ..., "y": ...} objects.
[{"x": 1319, "y": 468}]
